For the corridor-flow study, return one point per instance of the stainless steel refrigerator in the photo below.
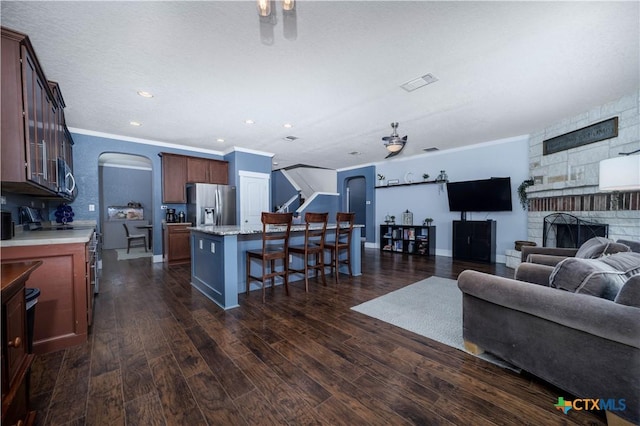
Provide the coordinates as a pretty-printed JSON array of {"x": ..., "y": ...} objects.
[{"x": 209, "y": 204}]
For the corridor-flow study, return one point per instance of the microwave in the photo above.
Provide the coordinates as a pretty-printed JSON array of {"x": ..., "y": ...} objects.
[{"x": 66, "y": 182}]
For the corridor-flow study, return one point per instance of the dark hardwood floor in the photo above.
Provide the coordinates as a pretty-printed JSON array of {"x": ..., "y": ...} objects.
[{"x": 161, "y": 353}]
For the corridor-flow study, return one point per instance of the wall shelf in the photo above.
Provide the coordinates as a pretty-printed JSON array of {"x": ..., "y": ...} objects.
[{"x": 424, "y": 182}]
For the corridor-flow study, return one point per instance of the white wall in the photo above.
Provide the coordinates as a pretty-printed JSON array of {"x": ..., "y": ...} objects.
[
  {"x": 312, "y": 180},
  {"x": 501, "y": 158}
]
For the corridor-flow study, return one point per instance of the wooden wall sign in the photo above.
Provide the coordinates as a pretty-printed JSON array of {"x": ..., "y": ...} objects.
[{"x": 596, "y": 132}]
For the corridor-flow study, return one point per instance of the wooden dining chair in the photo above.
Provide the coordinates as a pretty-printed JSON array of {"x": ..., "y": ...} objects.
[
  {"x": 276, "y": 228},
  {"x": 342, "y": 242},
  {"x": 132, "y": 239},
  {"x": 313, "y": 247}
]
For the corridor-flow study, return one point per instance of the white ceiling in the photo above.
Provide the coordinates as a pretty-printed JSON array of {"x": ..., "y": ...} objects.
[{"x": 504, "y": 69}]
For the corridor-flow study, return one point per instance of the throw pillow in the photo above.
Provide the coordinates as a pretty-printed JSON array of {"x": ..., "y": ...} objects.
[
  {"x": 588, "y": 276},
  {"x": 629, "y": 294},
  {"x": 600, "y": 246}
]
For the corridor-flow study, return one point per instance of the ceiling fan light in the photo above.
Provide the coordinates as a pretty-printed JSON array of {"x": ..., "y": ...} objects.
[
  {"x": 264, "y": 7},
  {"x": 394, "y": 146}
]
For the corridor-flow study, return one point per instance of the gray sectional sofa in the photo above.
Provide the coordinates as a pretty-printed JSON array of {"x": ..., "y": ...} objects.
[{"x": 575, "y": 325}]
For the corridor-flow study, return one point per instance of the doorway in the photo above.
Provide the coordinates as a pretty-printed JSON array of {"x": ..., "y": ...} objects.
[
  {"x": 125, "y": 183},
  {"x": 357, "y": 200},
  {"x": 254, "y": 197}
]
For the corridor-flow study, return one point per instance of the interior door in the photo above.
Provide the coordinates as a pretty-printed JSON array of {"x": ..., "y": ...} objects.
[
  {"x": 357, "y": 200},
  {"x": 254, "y": 197}
]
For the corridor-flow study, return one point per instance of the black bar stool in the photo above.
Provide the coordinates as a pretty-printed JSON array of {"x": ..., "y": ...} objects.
[
  {"x": 275, "y": 246},
  {"x": 313, "y": 248}
]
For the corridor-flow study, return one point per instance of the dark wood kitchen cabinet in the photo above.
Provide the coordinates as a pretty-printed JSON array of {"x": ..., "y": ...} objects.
[
  {"x": 61, "y": 316},
  {"x": 197, "y": 170},
  {"x": 176, "y": 244},
  {"x": 33, "y": 131},
  {"x": 204, "y": 170},
  {"x": 178, "y": 170},
  {"x": 218, "y": 172},
  {"x": 16, "y": 361},
  {"x": 174, "y": 178},
  {"x": 474, "y": 240}
]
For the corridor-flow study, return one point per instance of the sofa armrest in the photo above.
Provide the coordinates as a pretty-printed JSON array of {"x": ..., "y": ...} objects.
[
  {"x": 593, "y": 315},
  {"x": 534, "y": 273},
  {"x": 545, "y": 259},
  {"x": 633, "y": 245},
  {"x": 552, "y": 251}
]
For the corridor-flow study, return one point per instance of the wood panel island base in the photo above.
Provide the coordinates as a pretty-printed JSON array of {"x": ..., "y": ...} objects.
[{"x": 218, "y": 256}]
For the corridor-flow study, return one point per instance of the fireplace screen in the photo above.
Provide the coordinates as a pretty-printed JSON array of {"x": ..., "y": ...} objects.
[{"x": 568, "y": 231}]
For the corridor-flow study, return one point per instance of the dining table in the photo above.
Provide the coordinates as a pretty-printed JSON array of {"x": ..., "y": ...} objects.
[{"x": 149, "y": 229}]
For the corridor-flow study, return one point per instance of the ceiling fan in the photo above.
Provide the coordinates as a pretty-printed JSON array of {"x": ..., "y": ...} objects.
[{"x": 394, "y": 143}]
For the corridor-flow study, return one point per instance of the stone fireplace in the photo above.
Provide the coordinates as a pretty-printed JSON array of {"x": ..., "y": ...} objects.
[
  {"x": 566, "y": 182},
  {"x": 568, "y": 231}
]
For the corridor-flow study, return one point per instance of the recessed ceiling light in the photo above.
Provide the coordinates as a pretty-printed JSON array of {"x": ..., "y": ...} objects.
[
  {"x": 355, "y": 153},
  {"x": 287, "y": 125},
  {"x": 145, "y": 94},
  {"x": 220, "y": 140},
  {"x": 249, "y": 121},
  {"x": 432, "y": 149},
  {"x": 290, "y": 138},
  {"x": 135, "y": 123}
]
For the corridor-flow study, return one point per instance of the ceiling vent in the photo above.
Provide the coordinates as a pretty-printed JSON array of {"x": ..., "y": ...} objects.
[
  {"x": 432, "y": 149},
  {"x": 419, "y": 82},
  {"x": 290, "y": 138}
]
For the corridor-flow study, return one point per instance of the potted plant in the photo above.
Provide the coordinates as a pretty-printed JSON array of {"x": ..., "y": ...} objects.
[
  {"x": 522, "y": 192},
  {"x": 380, "y": 179},
  {"x": 425, "y": 176},
  {"x": 428, "y": 221},
  {"x": 393, "y": 219}
]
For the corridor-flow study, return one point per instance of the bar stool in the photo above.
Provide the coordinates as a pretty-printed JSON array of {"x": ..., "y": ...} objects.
[
  {"x": 344, "y": 230},
  {"x": 314, "y": 236},
  {"x": 275, "y": 246}
]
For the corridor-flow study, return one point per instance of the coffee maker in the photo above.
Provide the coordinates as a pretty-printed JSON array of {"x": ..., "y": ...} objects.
[{"x": 171, "y": 216}]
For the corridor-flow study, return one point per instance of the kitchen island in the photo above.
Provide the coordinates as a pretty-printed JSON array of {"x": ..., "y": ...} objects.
[{"x": 218, "y": 258}]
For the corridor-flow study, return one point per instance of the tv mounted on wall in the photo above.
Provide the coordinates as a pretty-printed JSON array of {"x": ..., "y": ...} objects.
[{"x": 487, "y": 195}]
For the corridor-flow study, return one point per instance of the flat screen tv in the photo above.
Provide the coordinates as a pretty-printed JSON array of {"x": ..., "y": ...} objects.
[{"x": 487, "y": 195}]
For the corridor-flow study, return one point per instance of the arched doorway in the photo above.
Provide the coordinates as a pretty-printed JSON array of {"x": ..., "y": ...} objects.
[
  {"x": 357, "y": 200},
  {"x": 126, "y": 196}
]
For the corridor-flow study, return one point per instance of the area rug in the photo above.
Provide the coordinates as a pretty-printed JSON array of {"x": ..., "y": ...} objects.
[
  {"x": 431, "y": 308},
  {"x": 134, "y": 253}
]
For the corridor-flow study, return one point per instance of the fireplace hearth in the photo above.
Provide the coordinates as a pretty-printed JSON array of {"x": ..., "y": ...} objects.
[{"x": 567, "y": 231}]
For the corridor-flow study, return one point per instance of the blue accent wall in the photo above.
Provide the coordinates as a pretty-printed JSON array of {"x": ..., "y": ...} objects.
[
  {"x": 248, "y": 162},
  {"x": 88, "y": 148},
  {"x": 369, "y": 174},
  {"x": 323, "y": 203},
  {"x": 282, "y": 190}
]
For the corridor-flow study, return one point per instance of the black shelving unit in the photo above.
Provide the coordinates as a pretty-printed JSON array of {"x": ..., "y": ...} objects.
[
  {"x": 411, "y": 239},
  {"x": 474, "y": 240}
]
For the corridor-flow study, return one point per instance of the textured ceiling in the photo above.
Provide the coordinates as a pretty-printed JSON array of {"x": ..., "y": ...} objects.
[{"x": 503, "y": 69}]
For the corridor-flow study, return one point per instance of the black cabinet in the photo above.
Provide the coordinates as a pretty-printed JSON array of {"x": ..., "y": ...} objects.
[
  {"x": 420, "y": 240},
  {"x": 474, "y": 240}
]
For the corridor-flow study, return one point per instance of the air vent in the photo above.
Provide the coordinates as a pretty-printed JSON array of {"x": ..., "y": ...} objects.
[
  {"x": 417, "y": 83},
  {"x": 290, "y": 138},
  {"x": 432, "y": 149}
]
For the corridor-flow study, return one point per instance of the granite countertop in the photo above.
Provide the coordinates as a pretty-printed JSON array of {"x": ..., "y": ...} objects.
[
  {"x": 81, "y": 233},
  {"x": 253, "y": 229}
]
